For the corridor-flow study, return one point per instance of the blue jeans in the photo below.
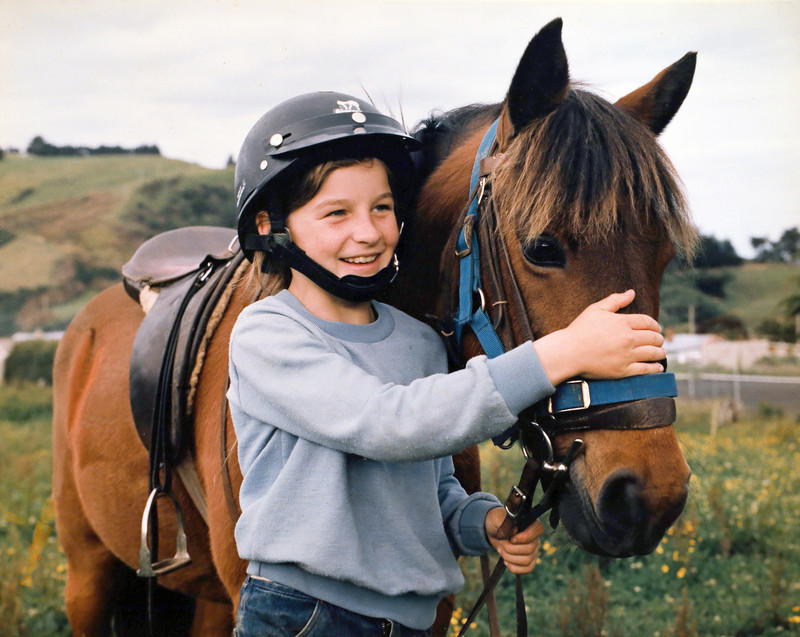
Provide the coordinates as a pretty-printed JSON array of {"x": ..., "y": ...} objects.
[{"x": 269, "y": 609}]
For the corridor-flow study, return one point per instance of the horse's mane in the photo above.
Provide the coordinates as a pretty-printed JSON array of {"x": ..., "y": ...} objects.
[
  {"x": 590, "y": 170},
  {"x": 587, "y": 168},
  {"x": 441, "y": 132}
]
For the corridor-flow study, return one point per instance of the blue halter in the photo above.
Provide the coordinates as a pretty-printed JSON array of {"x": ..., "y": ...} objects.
[{"x": 569, "y": 396}]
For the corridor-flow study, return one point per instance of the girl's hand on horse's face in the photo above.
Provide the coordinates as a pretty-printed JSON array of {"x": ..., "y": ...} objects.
[
  {"x": 600, "y": 343},
  {"x": 521, "y": 550}
]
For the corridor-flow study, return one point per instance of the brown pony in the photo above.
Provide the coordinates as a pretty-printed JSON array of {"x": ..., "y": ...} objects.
[{"x": 585, "y": 175}]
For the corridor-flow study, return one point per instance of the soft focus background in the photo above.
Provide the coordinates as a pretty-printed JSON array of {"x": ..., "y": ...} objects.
[
  {"x": 193, "y": 76},
  {"x": 119, "y": 120}
]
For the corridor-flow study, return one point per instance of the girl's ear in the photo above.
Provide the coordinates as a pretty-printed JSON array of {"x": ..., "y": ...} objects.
[{"x": 263, "y": 223}]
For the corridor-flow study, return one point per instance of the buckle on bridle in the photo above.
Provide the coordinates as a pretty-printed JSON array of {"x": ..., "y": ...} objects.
[{"x": 586, "y": 396}]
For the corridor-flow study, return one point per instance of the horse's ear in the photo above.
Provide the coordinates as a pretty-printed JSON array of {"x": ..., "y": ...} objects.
[
  {"x": 540, "y": 82},
  {"x": 655, "y": 103}
]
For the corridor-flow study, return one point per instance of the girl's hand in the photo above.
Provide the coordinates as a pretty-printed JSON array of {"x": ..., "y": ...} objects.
[
  {"x": 600, "y": 343},
  {"x": 520, "y": 551}
]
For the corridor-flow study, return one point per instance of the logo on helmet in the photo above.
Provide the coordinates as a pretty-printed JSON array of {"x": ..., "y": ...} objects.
[
  {"x": 347, "y": 106},
  {"x": 239, "y": 194}
]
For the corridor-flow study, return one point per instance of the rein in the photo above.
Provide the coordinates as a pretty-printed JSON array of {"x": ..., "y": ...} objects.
[{"x": 638, "y": 402}]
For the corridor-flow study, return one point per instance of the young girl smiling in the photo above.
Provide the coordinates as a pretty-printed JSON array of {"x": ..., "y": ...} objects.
[{"x": 352, "y": 520}]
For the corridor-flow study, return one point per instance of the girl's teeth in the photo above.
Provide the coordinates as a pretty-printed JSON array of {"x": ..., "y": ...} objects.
[{"x": 361, "y": 260}]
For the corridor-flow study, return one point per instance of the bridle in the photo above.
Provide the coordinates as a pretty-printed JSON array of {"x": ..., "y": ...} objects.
[{"x": 638, "y": 402}]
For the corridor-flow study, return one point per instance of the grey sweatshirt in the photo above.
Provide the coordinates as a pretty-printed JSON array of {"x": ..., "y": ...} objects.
[{"x": 344, "y": 439}]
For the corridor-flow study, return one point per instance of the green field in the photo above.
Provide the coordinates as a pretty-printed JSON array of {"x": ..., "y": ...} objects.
[
  {"x": 727, "y": 568},
  {"x": 65, "y": 231}
]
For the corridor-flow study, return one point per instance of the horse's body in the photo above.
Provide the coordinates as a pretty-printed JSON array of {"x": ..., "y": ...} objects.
[{"x": 626, "y": 489}]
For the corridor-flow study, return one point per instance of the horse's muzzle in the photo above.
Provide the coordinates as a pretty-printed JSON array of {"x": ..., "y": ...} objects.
[{"x": 626, "y": 519}]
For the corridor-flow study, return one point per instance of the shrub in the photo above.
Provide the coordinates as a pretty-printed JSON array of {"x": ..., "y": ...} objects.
[
  {"x": 166, "y": 204},
  {"x": 31, "y": 361}
]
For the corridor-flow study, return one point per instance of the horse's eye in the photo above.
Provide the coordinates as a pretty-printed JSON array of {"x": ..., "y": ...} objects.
[{"x": 545, "y": 251}]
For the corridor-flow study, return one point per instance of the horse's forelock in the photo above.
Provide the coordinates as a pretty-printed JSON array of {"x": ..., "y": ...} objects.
[{"x": 589, "y": 170}]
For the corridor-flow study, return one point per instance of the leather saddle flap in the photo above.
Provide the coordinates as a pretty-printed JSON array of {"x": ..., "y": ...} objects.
[
  {"x": 167, "y": 342},
  {"x": 174, "y": 254}
]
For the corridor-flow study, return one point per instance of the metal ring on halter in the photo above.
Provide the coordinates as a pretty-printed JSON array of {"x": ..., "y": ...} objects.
[
  {"x": 483, "y": 299},
  {"x": 526, "y": 451}
]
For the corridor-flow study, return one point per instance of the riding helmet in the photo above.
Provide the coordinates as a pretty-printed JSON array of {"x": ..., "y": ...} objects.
[{"x": 305, "y": 131}]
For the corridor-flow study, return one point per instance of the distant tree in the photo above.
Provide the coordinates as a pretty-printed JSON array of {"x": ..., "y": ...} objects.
[
  {"x": 730, "y": 327},
  {"x": 712, "y": 283},
  {"x": 147, "y": 150},
  {"x": 714, "y": 253},
  {"x": 231, "y": 161},
  {"x": 2, "y": 154},
  {"x": 41, "y": 148},
  {"x": 784, "y": 250}
]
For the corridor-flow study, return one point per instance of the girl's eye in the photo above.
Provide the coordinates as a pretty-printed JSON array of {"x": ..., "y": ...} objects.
[
  {"x": 335, "y": 213},
  {"x": 384, "y": 207},
  {"x": 545, "y": 251}
]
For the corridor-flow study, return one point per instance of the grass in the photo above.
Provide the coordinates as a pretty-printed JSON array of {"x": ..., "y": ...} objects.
[
  {"x": 31, "y": 181},
  {"x": 728, "y": 567},
  {"x": 32, "y": 567}
]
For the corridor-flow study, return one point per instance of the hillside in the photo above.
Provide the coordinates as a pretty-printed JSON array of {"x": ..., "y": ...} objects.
[
  {"x": 757, "y": 290},
  {"x": 66, "y": 229},
  {"x": 68, "y": 224}
]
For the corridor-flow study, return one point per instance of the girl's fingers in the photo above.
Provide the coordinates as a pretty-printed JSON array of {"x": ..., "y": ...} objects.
[
  {"x": 648, "y": 353},
  {"x": 638, "y": 369},
  {"x": 534, "y": 531},
  {"x": 643, "y": 322},
  {"x": 616, "y": 302}
]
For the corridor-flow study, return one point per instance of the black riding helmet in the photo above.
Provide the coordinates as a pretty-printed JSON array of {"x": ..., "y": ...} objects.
[{"x": 297, "y": 135}]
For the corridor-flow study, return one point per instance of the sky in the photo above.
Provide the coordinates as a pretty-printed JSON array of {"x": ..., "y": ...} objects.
[{"x": 193, "y": 76}]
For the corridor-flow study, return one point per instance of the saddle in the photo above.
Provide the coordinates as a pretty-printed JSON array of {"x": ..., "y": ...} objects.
[{"x": 179, "y": 277}]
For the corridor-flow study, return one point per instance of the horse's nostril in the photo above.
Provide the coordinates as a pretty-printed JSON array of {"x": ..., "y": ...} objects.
[{"x": 622, "y": 508}]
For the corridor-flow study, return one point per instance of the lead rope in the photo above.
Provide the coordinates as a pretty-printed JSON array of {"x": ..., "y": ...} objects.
[{"x": 519, "y": 516}]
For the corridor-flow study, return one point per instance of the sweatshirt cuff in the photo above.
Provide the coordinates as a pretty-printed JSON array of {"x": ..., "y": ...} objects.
[
  {"x": 519, "y": 377},
  {"x": 472, "y": 524}
]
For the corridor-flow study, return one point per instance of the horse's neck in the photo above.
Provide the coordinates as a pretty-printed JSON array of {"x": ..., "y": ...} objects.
[{"x": 440, "y": 204}]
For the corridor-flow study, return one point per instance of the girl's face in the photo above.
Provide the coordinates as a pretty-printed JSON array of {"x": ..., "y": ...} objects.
[{"x": 348, "y": 227}]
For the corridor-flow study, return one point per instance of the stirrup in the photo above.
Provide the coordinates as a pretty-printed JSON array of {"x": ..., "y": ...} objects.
[{"x": 181, "y": 557}]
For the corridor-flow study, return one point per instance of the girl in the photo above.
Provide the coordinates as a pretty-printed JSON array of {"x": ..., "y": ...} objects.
[{"x": 346, "y": 417}]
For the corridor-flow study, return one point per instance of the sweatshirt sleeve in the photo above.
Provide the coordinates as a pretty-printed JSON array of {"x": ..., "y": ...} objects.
[
  {"x": 464, "y": 515},
  {"x": 284, "y": 375}
]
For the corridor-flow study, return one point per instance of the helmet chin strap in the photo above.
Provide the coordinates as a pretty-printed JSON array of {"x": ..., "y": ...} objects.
[{"x": 352, "y": 288}]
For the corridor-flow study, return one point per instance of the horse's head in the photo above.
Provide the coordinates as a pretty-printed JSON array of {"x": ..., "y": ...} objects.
[{"x": 586, "y": 203}]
